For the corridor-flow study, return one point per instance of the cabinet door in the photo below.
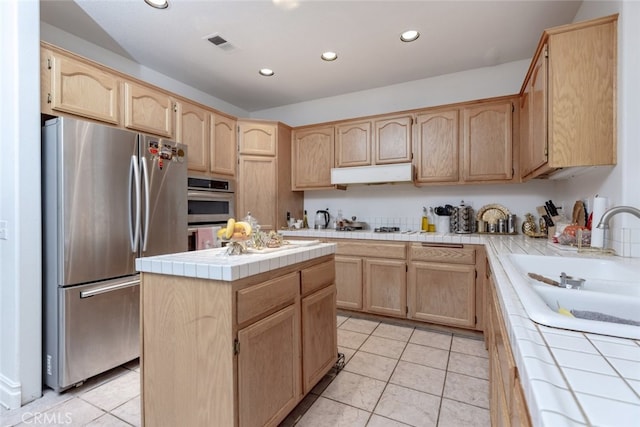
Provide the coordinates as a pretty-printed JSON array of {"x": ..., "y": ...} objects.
[
  {"x": 192, "y": 129},
  {"x": 487, "y": 142},
  {"x": 319, "y": 336},
  {"x": 148, "y": 110},
  {"x": 353, "y": 144},
  {"x": 437, "y": 146},
  {"x": 312, "y": 158},
  {"x": 442, "y": 293},
  {"x": 269, "y": 368},
  {"x": 349, "y": 282},
  {"x": 535, "y": 151},
  {"x": 525, "y": 129},
  {"x": 223, "y": 146},
  {"x": 79, "y": 88},
  {"x": 385, "y": 287},
  {"x": 392, "y": 140},
  {"x": 257, "y": 189},
  {"x": 259, "y": 139}
]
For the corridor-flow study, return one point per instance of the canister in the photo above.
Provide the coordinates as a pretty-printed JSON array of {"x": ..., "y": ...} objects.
[
  {"x": 502, "y": 225},
  {"x": 511, "y": 223}
]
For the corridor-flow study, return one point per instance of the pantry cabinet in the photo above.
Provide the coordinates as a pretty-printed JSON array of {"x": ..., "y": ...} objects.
[
  {"x": 71, "y": 85},
  {"x": 312, "y": 157},
  {"x": 436, "y": 146},
  {"x": 442, "y": 284},
  {"x": 148, "y": 110},
  {"x": 264, "y": 186},
  {"x": 570, "y": 88},
  {"x": 256, "y": 138}
]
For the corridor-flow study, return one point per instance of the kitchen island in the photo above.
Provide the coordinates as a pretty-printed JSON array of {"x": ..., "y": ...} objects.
[
  {"x": 566, "y": 377},
  {"x": 235, "y": 340}
]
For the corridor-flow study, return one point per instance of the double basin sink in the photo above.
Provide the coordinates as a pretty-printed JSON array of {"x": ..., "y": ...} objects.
[{"x": 607, "y": 302}]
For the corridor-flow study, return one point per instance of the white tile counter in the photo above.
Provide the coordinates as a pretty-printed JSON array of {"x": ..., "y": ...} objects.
[
  {"x": 215, "y": 264},
  {"x": 569, "y": 378}
]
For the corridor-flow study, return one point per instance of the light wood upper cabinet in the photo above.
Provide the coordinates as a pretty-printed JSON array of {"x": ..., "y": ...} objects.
[
  {"x": 223, "y": 146},
  {"x": 148, "y": 110},
  {"x": 437, "y": 146},
  {"x": 312, "y": 156},
  {"x": 487, "y": 140},
  {"x": 573, "y": 102},
  {"x": 257, "y": 189},
  {"x": 258, "y": 139},
  {"x": 70, "y": 85},
  {"x": 392, "y": 140},
  {"x": 353, "y": 144},
  {"x": 192, "y": 129}
]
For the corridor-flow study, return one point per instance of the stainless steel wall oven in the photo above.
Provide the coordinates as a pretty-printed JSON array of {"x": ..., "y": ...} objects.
[{"x": 211, "y": 202}]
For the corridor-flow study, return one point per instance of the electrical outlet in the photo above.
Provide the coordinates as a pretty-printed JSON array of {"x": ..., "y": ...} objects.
[{"x": 3, "y": 230}]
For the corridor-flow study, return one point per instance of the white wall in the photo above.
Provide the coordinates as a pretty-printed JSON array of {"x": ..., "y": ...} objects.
[
  {"x": 620, "y": 184},
  {"x": 20, "y": 260},
  {"x": 74, "y": 44}
]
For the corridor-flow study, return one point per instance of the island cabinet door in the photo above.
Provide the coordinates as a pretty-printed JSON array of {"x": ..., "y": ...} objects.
[
  {"x": 269, "y": 385},
  {"x": 319, "y": 340}
]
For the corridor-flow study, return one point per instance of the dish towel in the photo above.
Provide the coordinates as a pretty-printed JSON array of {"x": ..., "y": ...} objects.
[{"x": 205, "y": 238}]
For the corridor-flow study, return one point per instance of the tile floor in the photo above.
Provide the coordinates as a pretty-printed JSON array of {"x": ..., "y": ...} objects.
[{"x": 395, "y": 375}]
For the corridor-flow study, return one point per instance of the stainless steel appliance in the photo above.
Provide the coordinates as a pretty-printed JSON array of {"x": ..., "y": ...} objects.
[
  {"x": 109, "y": 196},
  {"x": 211, "y": 202},
  {"x": 322, "y": 219}
]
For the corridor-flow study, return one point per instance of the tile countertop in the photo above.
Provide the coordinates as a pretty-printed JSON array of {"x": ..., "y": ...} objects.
[
  {"x": 215, "y": 264},
  {"x": 569, "y": 378}
]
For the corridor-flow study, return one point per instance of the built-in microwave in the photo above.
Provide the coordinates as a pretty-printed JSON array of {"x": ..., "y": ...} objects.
[{"x": 210, "y": 201}]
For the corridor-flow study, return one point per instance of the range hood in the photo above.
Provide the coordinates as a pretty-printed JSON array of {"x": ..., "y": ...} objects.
[{"x": 379, "y": 174}]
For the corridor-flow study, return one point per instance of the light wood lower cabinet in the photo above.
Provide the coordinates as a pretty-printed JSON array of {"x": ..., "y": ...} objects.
[
  {"x": 371, "y": 277},
  {"x": 240, "y": 353},
  {"x": 269, "y": 368},
  {"x": 385, "y": 286},
  {"x": 507, "y": 403},
  {"x": 442, "y": 284}
]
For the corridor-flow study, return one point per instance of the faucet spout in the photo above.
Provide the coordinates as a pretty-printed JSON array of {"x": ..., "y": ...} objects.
[{"x": 609, "y": 213}]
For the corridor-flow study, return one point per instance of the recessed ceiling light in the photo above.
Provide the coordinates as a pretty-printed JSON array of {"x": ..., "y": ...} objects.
[
  {"x": 409, "y": 35},
  {"x": 268, "y": 72},
  {"x": 329, "y": 56},
  {"x": 158, "y": 4}
]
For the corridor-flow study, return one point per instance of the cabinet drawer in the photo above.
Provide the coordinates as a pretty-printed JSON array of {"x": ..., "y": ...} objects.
[
  {"x": 443, "y": 254},
  {"x": 372, "y": 249},
  {"x": 260, "y": 299},
  {"x": 317, "y": 277}
]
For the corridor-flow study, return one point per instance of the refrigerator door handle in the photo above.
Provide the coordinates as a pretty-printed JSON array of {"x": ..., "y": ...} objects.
[
  {"x": 145, "y": 174},
  {"x": 134, "y": 175},
  {"x": 110, "y": 288}
]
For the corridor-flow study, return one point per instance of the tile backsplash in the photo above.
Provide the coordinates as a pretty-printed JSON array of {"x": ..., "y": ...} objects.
[{"x": 625, "y": 241}]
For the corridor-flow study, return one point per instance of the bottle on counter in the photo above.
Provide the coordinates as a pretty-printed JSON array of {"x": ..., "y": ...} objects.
[
  {"x": 425, "y": 220},
  {"x": 432, "y": 220},
  {"x": 305, "y": 221}
]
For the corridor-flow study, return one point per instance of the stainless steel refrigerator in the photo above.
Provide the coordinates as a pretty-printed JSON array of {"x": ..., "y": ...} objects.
[{"x": 109, "y": 196}]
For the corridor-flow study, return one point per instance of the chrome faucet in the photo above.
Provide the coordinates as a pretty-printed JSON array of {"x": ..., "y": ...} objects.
[{"x": 604, "y": 221}]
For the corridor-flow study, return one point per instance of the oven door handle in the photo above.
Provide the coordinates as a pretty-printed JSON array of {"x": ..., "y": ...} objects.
[
  {"x": 109, "y": 288},
  {"x": 204, "y": 195}
]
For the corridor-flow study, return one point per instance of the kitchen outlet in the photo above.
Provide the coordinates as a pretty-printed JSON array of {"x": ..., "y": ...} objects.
[{"x": 3, "y": 230}]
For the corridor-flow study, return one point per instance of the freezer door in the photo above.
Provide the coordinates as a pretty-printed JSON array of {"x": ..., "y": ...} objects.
[
  {"x": 164, "y": 196},
  {"x": 99, "y": 329},
  {"x": 87, "y": 213}
]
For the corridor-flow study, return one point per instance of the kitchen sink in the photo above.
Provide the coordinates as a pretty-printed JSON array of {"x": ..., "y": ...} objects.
[{"x": 609, "y": 295}]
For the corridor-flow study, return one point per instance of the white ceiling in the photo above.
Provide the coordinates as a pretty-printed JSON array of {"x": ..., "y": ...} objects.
[{"x": 288, "y": 36}]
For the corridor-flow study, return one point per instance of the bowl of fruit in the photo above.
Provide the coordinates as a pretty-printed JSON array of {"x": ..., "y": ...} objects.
[{"x": 236, "y": 235}]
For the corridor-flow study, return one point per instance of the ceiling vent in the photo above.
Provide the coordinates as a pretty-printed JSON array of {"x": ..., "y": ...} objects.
[{"x": 221, "y": 42}]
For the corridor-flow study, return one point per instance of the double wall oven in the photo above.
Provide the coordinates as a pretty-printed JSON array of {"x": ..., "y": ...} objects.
[{"x": 211, "y": 202}]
